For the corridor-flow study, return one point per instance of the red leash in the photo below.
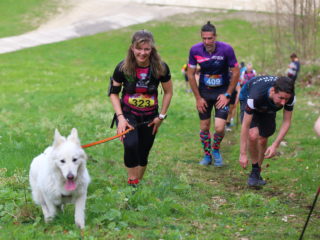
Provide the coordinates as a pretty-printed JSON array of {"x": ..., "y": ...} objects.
[
  {"x": 116, "y": 136},
  {"x": 107, "y": 139}
]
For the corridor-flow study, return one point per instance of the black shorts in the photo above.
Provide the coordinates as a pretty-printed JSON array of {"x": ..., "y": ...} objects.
[
  {"x": 233, "y": 97},
  {"x": 186, "y": 77},
  {"x": 293, "y": 77},
  {"x": 219, "y": 113},
  {"x": 265, "y": 122},
  {"x": 211, "y": 99}
]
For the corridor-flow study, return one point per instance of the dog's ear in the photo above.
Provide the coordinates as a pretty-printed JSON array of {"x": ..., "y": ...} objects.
[
  {"x": 58, "y": 139},
  {"x": 74, "y": 136}
]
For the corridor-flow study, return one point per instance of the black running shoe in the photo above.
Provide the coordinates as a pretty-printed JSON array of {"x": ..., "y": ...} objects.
[
  {"x": 261, "y": 181},
  {"x": 255, "y": 179}
]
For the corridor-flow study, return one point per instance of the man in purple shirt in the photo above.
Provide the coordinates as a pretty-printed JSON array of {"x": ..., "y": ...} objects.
[{"x": 216, "y": 59}]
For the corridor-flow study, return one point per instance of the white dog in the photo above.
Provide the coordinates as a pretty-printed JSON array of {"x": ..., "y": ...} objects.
[{"x": 59, "y": 176}]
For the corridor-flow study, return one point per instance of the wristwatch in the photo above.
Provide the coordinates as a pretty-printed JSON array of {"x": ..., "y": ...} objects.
[
  {"x": 162, "y": 116},
  {"x": 227, "y": 95}
]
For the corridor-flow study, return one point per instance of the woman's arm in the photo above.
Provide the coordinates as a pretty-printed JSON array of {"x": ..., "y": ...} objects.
[
  {"x": 168, "y": 92},
  {"x": 122, "y": 121}
]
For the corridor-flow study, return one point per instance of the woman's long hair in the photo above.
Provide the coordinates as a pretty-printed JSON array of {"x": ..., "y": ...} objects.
[{"x": 130, "y": 64}]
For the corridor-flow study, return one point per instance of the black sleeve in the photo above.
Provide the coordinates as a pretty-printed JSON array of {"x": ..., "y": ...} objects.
[
  {"x": 167, "y": 75},
  {"x": 117, "y": 74}
]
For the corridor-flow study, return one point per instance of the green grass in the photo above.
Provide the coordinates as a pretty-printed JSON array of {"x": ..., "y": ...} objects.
[
  {"x": 20, "y": 16},
  {"x": 64, "y": 85}
]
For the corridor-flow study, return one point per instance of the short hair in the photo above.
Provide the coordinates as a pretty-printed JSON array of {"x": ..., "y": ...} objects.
[
  {"x": 284, "y": 84},
  {"x": 208, "y": 28},
  {"x": 293, "y": 55}
]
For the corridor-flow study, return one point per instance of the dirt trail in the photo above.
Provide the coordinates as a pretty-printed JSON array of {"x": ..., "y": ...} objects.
[{"x": 78, "y": 18}]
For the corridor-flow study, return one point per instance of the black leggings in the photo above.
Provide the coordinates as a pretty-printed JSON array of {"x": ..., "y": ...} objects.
[{"x": 138, "y": 143}]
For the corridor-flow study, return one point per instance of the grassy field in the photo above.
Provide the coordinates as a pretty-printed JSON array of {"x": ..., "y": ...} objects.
[
  {"x": 21, "y": 16},
  {"x": 64, "y": 85}
]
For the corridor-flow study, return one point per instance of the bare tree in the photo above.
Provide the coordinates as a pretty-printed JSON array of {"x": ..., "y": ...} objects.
[{"x": 295, "y": 29}]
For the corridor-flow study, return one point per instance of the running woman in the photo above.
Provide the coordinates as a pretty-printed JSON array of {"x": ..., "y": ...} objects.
[
  {"x": 216, "y": 59},
  {"x": 140, "y": 74}
]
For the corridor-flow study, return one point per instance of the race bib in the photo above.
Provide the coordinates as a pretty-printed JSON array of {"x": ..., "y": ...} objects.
[
  {"x": 213, "y": 80},
  {"x": 141, "y": 100}
]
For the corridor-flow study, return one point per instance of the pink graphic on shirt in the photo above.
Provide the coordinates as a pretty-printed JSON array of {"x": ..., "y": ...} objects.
[
  {"x": 142, "y": 84},
  {"x": 141, "y": 102},
  {"x": 201, "y": 59}
]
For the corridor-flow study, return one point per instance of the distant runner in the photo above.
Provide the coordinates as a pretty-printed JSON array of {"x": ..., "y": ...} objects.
[
  {"x": 247, "y": 74},
  {"x": 294, "y": 67}
]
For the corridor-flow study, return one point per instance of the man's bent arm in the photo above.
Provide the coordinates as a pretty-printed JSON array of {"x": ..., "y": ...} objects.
[
  {"x": 243, "y": 160},
  {"x": 286, "y": 122},
  {"x": 287, "y": 115}
]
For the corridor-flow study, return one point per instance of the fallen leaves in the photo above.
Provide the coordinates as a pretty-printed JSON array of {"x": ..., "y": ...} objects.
[{"x": 286, "y": 218}]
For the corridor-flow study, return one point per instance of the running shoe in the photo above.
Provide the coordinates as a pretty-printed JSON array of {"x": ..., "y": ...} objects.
[
  {"x": 206, "y": 160},
  {"x": 261, "y": 181},
  {"x": 133, "y": 182},
  {"x": 218, "y": 162},
  {"x": 255, "y": 179},
  {"x": 228, "y": 129}
]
